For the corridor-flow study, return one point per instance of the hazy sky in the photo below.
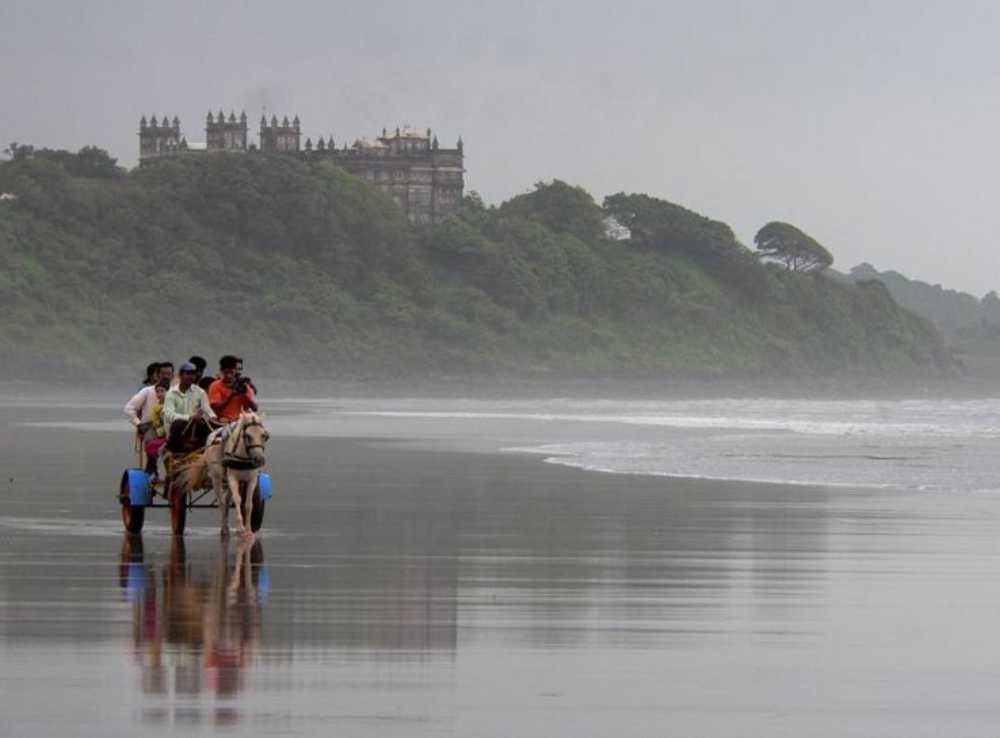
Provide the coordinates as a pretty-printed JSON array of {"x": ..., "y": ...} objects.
[{"x": 870, "y": 125}]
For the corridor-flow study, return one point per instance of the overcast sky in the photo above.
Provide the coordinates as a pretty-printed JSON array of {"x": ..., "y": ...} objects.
[{"x": 870, "y": 125}]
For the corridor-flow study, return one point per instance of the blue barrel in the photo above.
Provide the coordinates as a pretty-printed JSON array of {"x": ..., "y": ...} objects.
[
  {"x": 263, "y": 584},
  {"x": 136, "y": 482},
  {"x": 264, "y": 482}
]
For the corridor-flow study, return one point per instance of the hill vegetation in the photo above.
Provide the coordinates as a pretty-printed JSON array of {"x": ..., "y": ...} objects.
[
  {"x": 309, "y": 272},
  {"x": 970, "y": 325}
]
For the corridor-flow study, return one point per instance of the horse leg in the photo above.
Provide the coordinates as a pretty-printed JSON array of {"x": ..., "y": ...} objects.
[
  {"x": 234, "y": 490},
  {"x": 248, "y": 490},
  {"x": 222, "y": 499}
]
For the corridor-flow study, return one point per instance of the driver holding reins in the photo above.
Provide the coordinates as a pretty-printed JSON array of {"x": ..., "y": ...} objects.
[
  {"x": 186, "y": 412},
  {"x": 232, "y": 393}
]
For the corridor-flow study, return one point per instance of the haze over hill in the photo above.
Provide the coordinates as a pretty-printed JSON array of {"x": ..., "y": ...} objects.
[
  {"x": 970, "y": 325},
  {"x": 308, "y": 271}
]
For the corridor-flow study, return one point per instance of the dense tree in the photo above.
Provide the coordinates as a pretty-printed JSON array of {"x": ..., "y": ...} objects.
[
  {"x": 561, "y": 207},
  {"x": 18, "y": 152},
  {"x": 310, "y": 271},
  {"x": 798, "y": 251}
]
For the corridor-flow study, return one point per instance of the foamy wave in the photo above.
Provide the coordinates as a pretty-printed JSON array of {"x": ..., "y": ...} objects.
[{"x": 707, "y": 422}]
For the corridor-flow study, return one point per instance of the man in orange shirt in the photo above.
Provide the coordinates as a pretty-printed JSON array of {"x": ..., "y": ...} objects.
[{"x": 232, "y": 393}]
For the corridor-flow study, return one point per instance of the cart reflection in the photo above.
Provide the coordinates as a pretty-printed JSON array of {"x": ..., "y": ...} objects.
[{"x": 196, "y": 625}]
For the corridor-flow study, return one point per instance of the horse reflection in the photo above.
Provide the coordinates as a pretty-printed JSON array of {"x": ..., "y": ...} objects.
[{"x": 196, "y": 628}]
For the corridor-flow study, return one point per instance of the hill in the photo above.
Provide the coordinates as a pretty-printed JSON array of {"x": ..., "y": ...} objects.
[
  {"x": 309, "y": 272},
  {"x": 970, "y": 325}
]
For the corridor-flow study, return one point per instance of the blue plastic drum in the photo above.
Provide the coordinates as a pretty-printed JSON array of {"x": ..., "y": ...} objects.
[
  {"x": 136, "y": 481},
  {"x": 264, "y": 482}
]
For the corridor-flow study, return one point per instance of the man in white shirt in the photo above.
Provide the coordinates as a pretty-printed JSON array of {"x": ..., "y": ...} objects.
[
  {"x": 138, "y": 408},
  {"x": 187, "y": 413}
]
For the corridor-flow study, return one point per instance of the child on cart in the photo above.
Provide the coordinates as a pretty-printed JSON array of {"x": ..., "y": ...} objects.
[{"x": 156, "y": 434}]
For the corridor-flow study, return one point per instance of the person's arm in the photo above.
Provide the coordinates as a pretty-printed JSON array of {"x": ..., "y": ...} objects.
[
  {"x": 133, "y": 408},
  {"x": 250, "y": 399}
]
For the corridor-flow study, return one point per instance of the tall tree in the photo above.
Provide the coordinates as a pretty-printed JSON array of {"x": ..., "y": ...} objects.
[{"x": 798, "y": 251}]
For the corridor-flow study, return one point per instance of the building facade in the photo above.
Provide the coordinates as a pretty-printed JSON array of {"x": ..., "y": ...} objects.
[{"x": 426, "y": 181}]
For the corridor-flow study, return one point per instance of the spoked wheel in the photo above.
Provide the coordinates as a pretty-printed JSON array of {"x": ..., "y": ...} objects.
[
  {"x": 178, "y": 508},
  {"x": 133, "y": 516},
  {"x": 257, "y": 511}
]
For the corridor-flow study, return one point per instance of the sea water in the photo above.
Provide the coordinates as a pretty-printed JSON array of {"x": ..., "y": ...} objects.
[{"x": 918, "y": 444}]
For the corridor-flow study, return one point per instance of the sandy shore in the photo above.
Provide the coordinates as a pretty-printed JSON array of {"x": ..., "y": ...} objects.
[{"x": 406, "y": 591}]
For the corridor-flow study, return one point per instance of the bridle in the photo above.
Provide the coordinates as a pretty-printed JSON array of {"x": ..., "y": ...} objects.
[
  {"x": 232, "y": 458},
  {"x": 243, "y": 427}
]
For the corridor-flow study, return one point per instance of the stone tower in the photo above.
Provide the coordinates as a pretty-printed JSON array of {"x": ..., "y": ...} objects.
[
  {"x": 282, "y": 136},
  {"x": 159, "y": 138},
  {"x": 222, "y": 134}
]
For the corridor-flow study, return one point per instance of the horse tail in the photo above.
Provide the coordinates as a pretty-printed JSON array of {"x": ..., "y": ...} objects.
[{"x": 192, "y": 472}]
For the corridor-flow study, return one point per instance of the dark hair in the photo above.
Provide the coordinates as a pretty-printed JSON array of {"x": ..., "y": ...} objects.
[
  {"x": 229, "y": 361},
  {"x": 166, "y": 363},
  {"x": 199, "y": 362},
  {"x": 152, "y": 369},
  {"x": 206, "y": 382}
]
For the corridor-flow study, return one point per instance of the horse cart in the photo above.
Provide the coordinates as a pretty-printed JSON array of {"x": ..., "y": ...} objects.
[{"x": 137, "y": 492}]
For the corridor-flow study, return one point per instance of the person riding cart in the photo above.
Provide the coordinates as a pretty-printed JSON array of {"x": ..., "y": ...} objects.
[
  {"x": 187, "y": 413},
  {"x": 233, "y": 393}
]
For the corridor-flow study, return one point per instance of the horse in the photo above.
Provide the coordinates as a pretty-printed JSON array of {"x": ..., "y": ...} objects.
[{"x": 231, "y": 462}]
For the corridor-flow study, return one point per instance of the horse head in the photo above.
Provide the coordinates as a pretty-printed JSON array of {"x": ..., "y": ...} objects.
[{"x": 254, "y": 436}]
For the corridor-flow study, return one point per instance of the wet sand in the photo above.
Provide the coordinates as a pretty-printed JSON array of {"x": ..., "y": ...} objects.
[{"x": 412, "y": 592}]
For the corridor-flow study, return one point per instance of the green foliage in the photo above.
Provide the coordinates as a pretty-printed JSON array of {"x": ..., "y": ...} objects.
[
  {"x": 308, "y": 271},
  {"x": 798, "y": 251}
]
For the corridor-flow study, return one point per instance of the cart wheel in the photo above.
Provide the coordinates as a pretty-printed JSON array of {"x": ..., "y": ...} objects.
[
  {"x": 178, "y": 508},
  {"x": 133, "y": 516},
  {"x": 256, "y": 511}
]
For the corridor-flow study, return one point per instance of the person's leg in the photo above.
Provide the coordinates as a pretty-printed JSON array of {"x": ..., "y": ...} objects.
[{"x": 153, "y": 448}]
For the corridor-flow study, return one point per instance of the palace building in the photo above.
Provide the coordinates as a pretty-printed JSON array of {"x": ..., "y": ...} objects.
[{"x": 409, "y": 165}]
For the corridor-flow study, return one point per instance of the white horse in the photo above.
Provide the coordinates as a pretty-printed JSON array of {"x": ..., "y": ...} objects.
[{"x": 231, "y": 462}]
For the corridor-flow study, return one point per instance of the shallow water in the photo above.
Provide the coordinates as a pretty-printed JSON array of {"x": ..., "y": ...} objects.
[{"x": 401, "y": 589}]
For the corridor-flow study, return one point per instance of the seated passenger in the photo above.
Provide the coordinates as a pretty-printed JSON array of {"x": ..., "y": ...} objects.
[
  {"x": 138, "y": 408},
  {"x": 232, "y": 393},
  {"x": 186, "y": 413},
  {"x": 199, "y": 365},
  {"x": 156, "y": 434}
]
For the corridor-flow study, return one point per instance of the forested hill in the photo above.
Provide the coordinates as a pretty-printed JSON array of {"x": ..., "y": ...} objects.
[
  {"x": 309, "y": 272},
  {"x": 970, "y": 325}
]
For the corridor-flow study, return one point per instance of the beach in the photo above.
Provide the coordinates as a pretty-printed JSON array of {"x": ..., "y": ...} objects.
[{"x": 414, "y": 580}]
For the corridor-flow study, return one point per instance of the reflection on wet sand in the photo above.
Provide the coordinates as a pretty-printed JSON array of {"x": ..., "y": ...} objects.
[{"x": 196, "y": 628}]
